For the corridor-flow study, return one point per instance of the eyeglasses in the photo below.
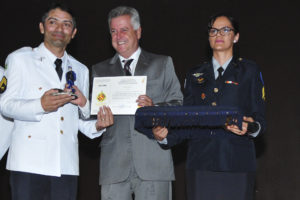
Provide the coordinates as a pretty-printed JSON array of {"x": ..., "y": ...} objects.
[{"x": 223, "y": 31}]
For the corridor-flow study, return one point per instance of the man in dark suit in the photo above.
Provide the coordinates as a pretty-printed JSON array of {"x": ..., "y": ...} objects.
[{"x": 131, "y": 164}]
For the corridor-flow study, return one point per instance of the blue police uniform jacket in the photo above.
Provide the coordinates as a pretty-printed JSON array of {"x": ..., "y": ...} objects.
[{"x": 216, "y": 149}]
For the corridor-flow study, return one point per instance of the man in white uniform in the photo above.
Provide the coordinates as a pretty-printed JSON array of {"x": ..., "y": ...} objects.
[
  {"x": 6, "y": 124},
  {"x": 43, "y": 155}
]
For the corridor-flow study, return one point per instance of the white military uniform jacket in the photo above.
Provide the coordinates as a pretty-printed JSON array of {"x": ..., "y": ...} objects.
[
  {"x": 43, "y": 143},
  {"x": 5, "y": 128}
]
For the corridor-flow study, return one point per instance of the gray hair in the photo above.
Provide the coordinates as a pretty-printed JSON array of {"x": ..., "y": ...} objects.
[{"x": 125, "y": 10}]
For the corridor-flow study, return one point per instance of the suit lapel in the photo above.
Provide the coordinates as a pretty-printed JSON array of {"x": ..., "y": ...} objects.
[
  {"x": 231, "y": 69},
  {"x": 209, "y": 73},
  {"x": 142, "y": 64},
  {"x": 116, "y": 67}
]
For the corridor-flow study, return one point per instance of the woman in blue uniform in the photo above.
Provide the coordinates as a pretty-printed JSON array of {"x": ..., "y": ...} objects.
[{"x": 221, "y": 162}]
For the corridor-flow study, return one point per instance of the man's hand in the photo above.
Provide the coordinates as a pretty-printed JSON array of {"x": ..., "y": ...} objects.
[
  {"x": 105, "y": 118},
  {"x": 235, "y": 129},
  {"x": 52, "y": 102},
  {"x": 144, "y": 100},
  {"x": 160, "y": 133},
  {"x": 81, "y": 100}
]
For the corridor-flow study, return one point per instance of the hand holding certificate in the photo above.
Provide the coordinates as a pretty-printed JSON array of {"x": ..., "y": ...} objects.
[{"x": 119, "y": 93}]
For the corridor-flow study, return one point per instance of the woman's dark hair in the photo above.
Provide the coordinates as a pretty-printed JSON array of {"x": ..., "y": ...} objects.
[
  {"x": 235, "y": 26},
  {"x": 233, "y": 21}
]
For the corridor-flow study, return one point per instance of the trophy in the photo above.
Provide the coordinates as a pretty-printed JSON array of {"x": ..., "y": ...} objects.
[{"x": 71, "y": 78}]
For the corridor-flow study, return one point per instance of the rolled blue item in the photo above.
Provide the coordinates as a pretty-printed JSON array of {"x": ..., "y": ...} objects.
[{"x": 186, "y": 117}]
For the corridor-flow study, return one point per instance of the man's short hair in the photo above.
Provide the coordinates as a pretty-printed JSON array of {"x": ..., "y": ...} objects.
[
  {"x": 125, "y": 10},
  {"x": 62, "y": 7}
]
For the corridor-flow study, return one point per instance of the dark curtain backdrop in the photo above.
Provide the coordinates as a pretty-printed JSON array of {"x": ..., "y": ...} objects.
[{"x": 269, "y": 35}]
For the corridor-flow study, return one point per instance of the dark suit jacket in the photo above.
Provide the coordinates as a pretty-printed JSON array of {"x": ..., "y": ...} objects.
[
  {"x": 217, "y": 149},
  {"x": 122, "y": 147}
]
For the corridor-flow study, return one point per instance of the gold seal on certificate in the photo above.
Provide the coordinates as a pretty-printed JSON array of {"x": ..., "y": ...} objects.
[{"x": 119, "y": 93}]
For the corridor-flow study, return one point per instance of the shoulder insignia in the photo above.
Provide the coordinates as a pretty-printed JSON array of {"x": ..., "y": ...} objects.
[
  {"x": 3, "y": 85},
  {"x": 263, "y": 93},
  {"x": 263, "y": 87},
  {"x": 261, "y": 78}
]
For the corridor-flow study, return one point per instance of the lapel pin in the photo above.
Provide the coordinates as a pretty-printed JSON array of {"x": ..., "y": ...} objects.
[{"x": 203, "y": 96}]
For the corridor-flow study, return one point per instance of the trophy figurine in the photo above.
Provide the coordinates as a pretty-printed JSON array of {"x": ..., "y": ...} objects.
[{"x": 71, "y": 78}]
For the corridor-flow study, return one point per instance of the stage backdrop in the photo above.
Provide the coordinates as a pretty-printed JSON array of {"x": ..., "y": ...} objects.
[{"x": 269, "y": 35}]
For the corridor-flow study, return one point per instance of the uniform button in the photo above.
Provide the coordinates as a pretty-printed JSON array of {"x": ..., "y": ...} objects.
[
  {"x": 213, "y": 103},
  {"x": 61, "y": 132},
  {"x": 216, "y": 90},
  {"x": 62, "y": 118}
]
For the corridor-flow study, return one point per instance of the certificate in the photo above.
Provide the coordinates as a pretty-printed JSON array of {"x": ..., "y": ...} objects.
[{"x": 119, "y": 93}]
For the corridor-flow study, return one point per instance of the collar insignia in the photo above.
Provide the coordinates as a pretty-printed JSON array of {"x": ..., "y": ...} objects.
[{"x": 42, "y": 58}]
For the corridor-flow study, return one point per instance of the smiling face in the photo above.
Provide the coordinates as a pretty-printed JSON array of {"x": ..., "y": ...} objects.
[
  {"x": 223, "y": 42},
  {"x": 125, "y": 39},
  {"x": 58, "y": 29}
]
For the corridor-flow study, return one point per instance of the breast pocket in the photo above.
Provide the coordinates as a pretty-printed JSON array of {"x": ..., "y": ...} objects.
[
  {"x": 231, "y": 94},
  {"x": 36, "y": 90}
]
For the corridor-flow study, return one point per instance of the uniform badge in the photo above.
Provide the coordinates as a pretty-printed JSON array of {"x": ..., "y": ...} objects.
[
  {"x": 263, "y": 88},
  {"x": 200, "y": 80},
  {"x": 3, "y": 85},
  {"x": 197, "y": 74},
  {"x": 203, "y": 96}
]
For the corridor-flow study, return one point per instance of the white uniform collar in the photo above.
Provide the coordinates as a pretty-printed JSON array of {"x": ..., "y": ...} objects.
[{"x": 50, "y": 55}]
